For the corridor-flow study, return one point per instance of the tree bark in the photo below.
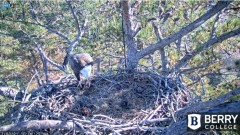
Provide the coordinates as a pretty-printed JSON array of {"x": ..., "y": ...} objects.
[
  {"x": 38, "y": 125},
  {"x": 181, "y": 125},
  {"x": 132, "y": 57}
]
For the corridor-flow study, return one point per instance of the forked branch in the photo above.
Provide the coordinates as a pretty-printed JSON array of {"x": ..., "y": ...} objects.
[
  {"x": 204, "y": 46},
  {"x": 172, "y": 38}
]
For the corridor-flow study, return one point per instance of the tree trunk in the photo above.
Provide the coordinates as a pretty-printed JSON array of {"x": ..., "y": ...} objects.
[{"x": 132, "y": 56}]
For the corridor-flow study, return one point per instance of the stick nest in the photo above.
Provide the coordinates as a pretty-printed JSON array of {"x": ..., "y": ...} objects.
[{"x": 116, "y": 102}]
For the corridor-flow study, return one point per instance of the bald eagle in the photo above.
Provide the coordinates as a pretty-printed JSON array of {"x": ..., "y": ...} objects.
[{"x": 81, "y": 63}]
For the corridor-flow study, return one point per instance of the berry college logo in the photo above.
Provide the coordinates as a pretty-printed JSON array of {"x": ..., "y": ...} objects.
[{"x": 194, "y": 121}]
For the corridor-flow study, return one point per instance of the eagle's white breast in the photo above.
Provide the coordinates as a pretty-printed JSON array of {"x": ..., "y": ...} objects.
[{"x": 86, "y": 71}]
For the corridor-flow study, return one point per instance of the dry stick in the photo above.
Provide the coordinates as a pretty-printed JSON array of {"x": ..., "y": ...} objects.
[
  {"x": 24, "y": 97},
  {"x": 154, "y": 120},
  {"x": 25, "y": 91},
  {"x": 103, "y": 116},
  {"x": 154, "y": 112}
]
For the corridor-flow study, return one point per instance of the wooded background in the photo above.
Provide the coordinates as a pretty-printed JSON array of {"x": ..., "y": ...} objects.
[{"x": 197, "y": 41}]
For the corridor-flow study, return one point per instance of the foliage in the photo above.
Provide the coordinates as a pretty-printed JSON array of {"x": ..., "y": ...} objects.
[{"x": 215, "y": 69}]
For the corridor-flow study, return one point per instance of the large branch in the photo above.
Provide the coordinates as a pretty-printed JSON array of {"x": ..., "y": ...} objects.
[
  {"x": 206, "y": 45},
  {"x": 52, "y": 30},
  {"x": 158, "y": 34},
  {"x": 39, "y": 125},
  {"x": 196, "y": 107},
  {"x": 166, "y": 41},
  {"x": 78, "y": 38},
  {"x": 74, "y": 16},
  {"x": 128, "y": 33},
  {"x": 182, "y": 124},
  {"x": 80, "y": 30}
]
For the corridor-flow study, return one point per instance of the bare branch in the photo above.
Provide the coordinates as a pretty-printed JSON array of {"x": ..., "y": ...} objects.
[
  {"x": 218, "y": 7},
  {"x": 207, "y": 64},
  {"x": 158, "y": 34},
  {"x": 81, "y": 31},
  {"x": 38, "y": 76},
  {"x": 74, "y": 16},
  {"x": 78, "y": 38},
  {"x": 42, "y": 54},
  {"x": 25, "y": 90},
  {"x": 207, "y": 44},
  {"x": 53, "y": 31},
  {"x": 213, "y": 32},
  {"x": 136, "y": 29},
  {"x": 44, "y": 26}
]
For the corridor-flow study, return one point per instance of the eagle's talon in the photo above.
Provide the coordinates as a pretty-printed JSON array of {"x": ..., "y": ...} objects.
[
  {"x": 79, "y": 84},
  {"x": 87, "y": 84}
]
